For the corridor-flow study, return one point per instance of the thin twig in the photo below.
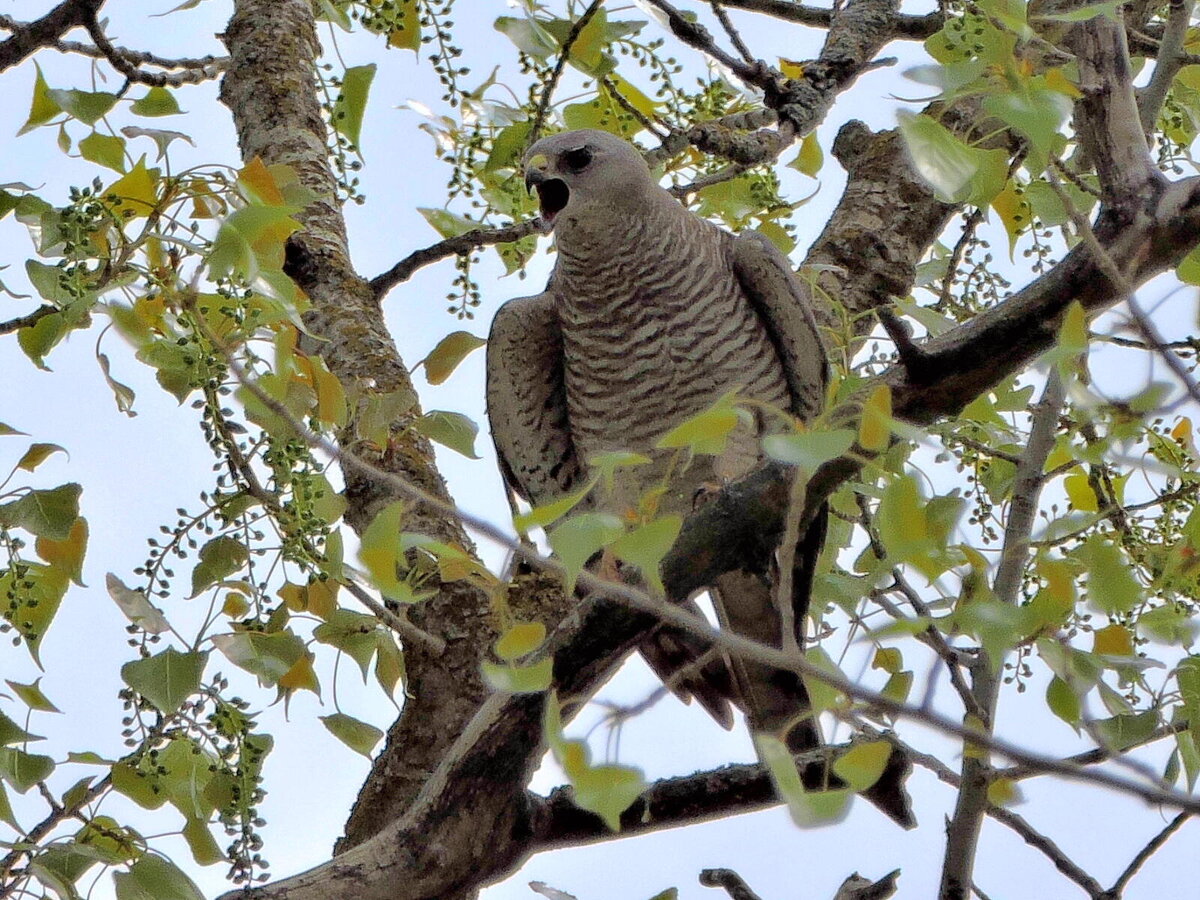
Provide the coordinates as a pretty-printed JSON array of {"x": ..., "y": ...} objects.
[
  {"x": 29, "y": 37},
  {"x": 26, "y": 321},
  {"x": 738, "y": 44},
  {"x": 1009, "y": 819},
  {"x": 731, "y": 881},
  {"x": 459, "y": 245},
  {"x": 728, "y": 641},
  {"x": 560, "y": 65},
  {"x": 971, "y": 805},
  {"x": 1170, "y": 60},
  {"x": 1144, "y": 854}
]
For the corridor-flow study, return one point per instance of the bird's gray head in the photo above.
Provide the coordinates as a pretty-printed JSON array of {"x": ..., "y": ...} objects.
[{"x": 585, "y": 173}]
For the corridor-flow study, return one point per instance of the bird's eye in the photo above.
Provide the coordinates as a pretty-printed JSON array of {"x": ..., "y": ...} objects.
[{"x": 577, "y": 160}]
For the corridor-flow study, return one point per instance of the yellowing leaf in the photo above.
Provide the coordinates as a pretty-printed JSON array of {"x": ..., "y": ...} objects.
[
  {"x": 301, "y": 676},
  {"x": 874, "y": 431},
  {"x": 1003, "y": 792},
  {"x": 1113, "y": 640},
  {"x": 810, "y": 158},
  {"x": 450, "y": 351},
  {"x": 42, "y": 108},
  {"x": 791, "y": 68},
  {"x": 520, "y": 639},
  {"x": 66, "y": 555},
  {"x": 862, "y": 764},
  {"x": 256, "y": 177},
  {"x": 136, "y": 193},
  {"x": 1080, "y": 492}
]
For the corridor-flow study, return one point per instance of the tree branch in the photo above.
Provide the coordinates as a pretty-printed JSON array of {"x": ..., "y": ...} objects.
[
  {"x": 907, "y": 27},
  {"x": 962, "y": 832},
  {"x": 1170, "y": 60},
  {"x": 1118, "y": 888},
  {"x": 27, "y": 321},
  {"x": 458, "y": 245},
  {"x": 560, "y": 64},
  {"x": 32, "y": 36}
]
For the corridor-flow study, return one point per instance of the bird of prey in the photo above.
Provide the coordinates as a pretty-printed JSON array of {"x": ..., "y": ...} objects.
[{"x": 651, "y": 315}]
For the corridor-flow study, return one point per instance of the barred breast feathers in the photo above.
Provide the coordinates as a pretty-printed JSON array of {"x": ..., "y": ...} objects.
[{"x": 655, "y": 328}]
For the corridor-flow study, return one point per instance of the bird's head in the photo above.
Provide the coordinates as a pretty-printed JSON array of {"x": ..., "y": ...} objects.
[{"x": 584, "y": 172}]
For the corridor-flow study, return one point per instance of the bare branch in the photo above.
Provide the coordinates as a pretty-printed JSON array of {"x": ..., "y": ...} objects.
[
  {"x": 458, "y": 245},
  {"x": 731, "y": 881},
  {"x": 30, "y": 37},
  {"x": 735, "y": 37},
  {"x": 1144, "y": 854},
  {"x": 962, "y": 833},
  {"x": 564, "y": 54},
  {"x": 28, "y": 320},
  {"x": 1107, "y": 120},
  {"x": 907, "y": 27},
  {"x": 1170, "y": 60}
]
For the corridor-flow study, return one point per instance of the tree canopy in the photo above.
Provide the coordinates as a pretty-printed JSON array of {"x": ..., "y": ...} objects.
[{"x": 233, "y": 245}]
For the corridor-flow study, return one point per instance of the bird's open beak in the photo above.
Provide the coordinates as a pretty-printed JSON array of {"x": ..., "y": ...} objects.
[
  {"x": 537, "y": 170},
  {"x": 553, "y": 193}
]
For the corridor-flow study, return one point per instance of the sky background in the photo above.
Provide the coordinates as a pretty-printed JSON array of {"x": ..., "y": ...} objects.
[{"x": 137, "y": 471}]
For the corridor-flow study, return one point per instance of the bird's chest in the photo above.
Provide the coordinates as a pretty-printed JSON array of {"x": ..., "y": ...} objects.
[{"x": 647, "y": 346}]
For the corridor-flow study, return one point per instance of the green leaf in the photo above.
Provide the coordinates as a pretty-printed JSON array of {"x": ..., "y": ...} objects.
[
  {"x": 140, "y": 784},
  {"x": 1125, "y": 731},
  {"x": 608, "y": 791},
  {"x": 6, "y": 810},
  {"x": 1111, "y": 585},
  {"x": 1064, "y": 702},
  {"x": 23, "y": 770},
  {"x": 359, "y": 736},
  {"x": 1037, "y": 113},
  {"x": 450, "y": 429},
  {"x": 268, "y": 656},
  {"x": 166, "y": 679},
  {"x": 37, "y": 454},
  {"x": 646, "y": 546},
  {"x": 520, "y": 639},
  {"x": 575, "y": 540},
  {"x": 12, "y": 733},
  {"x": 137, "y": 608},
  {"x": 155, "y": 878},
  {"x": 450, "y": 351},
  {"x": 185, "y": 771},
  {"x": 1109, "y": 10},
  {"x": 60, "y": 866},
  {"x": 351, "y": 103},
  {"x": 39, "y": 339},
  {"x": 219, "y": 558},
  {"x": 957, "y": 173},
  {"x": 86, "y": 106},
  {"x": 528, "y": 35},
  {"x": 547, "y": 513},
  {"x": 531, "y": 679},
  {"x": 351, "y": 632},
  {"x": 707, "y": 432},
  {"x": 43, "y": 108},
  {"x": 32, "y": 696},
  {"x": 810, "y": 158},
  {"x": 35, "y": 599},
  {"x": 158, "y": 101},
  {"x": 104, "y": 150},
  {"x": 204, "y": 847},
  {"x": 446, "y": 223},
  {"x": 809, "y": 449}
]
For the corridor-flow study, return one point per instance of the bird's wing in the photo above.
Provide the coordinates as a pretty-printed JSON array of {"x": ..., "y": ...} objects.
[
  {"x": 527, "y": 400},
  {"x": 777, "y": 701},
  {"x": 782, "y": 303}
]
